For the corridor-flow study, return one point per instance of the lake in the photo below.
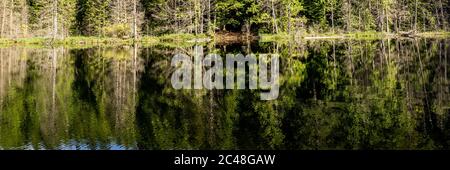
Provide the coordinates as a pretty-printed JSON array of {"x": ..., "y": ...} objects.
[{"x": 334, "y": 94}]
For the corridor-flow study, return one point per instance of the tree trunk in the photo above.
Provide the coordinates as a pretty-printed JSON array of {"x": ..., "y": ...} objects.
[
  {"x": 442, "y": 15},
  {"x": 3, "y": 18},
  {"x": 55, "y": 19},
  {"x": 175, "y": 16},
  {"x": 349, "y": 15},
  {"x": 195, "y": 18},
  {"x": 387, "y": 20},
  {"x": 135, "y": 34},
  {"x": 246, "y": 28},
  {"x": 200, "y": 16},
  {"x": 289, "y": 18},
  {"x": 11, "y": 18},
  {"x": 370, "y": 8},
  {"x": 24, "y": 18},
  {"x": 436, "y": 10},
  {"x": 397, "y": 24},
  {"x": 424, "y": 27},
  {"x": 415, "y": 17},
  {"x": 274, "y": 17},
  {"x": 332, "y": 17},
  {"x": 209, "y": 16}
]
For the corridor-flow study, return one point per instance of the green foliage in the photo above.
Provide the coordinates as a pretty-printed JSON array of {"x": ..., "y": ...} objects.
[
  {"x": 281, "y": 37},
  {"x": 233, "y": 14},
  {"x": 67, "y": 10},
  {"x": 333, "y": 95},
  {"x": 93, "y": 17},
  {"x": 117, "y": 31},
  {"x": 315, "y": 10},
  {"x": 35, "y": 18},
  {"x": 35, "y": 8}
]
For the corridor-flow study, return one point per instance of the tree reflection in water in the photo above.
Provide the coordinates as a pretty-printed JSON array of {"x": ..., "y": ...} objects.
[{"x": 380, "y": 94}]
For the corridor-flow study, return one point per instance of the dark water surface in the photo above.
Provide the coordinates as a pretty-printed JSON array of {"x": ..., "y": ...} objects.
[{"x": 382, "y": 94}]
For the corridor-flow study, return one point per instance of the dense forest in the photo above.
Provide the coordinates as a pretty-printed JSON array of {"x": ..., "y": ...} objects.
[{"x": 134, "y": 18}]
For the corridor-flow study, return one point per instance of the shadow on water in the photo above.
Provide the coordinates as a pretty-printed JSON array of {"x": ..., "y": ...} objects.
[{"x": 81, "y": 85}]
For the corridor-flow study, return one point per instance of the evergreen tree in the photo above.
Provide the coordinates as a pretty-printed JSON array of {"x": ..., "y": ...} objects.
[
  {"x": 128, "y": 18},
  {"x": 93, "y": 16}
]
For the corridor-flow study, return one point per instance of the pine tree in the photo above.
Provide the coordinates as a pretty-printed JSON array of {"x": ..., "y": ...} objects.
[{"x": 94, "y": 16}]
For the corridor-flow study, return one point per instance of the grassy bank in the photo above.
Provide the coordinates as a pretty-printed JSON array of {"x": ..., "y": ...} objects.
[
  {"x": 180, "y": 40},
  {"x": 170, "y": 39},
  {"x": 284, "y": 37},
  {"x": 75, "y": 41},
  {"x": 434, "y": 34}
]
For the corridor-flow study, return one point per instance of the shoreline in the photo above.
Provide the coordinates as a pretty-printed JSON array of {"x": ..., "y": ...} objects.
[
  {"x": 353, "y": 36},
  {"x": 189, "y": 39}
]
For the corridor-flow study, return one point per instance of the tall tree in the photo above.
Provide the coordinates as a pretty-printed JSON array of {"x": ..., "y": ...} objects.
[
  {"x": 55, "y": 19},
  {"x": 94, "y": 16},
  {"x": 3, "y": 19},
  {"x": 135, "y": 34}
]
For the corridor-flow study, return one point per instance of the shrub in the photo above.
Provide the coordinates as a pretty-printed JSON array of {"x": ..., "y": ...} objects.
[{"x": 117, "y": 31}]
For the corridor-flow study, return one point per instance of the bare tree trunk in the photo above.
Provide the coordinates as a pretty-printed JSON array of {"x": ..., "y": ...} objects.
[
  {"x": 24, "y": 19},
  {"x": 436, "y": 10},
  {"x": 209, "y": 15},
  {"x": 289, "y": 18},
  {"x": 195, "y": 18},
  {"x": 200, "y": 16},
  {"x": 415, "y": 17},
  {"x": 332, "y": 18},
  {"x": 397, "y": 26},
  {"x": 3, "y": 18},
  {"x": 424, "y": 27},
  {"x": 442, "y": 15},
  {"x": 118, "y": 11},
  {"x": 349, "y": 15},
  {"x": 274, "y": 17},
  {"x": 135, "y": 34},
  {"x": 55, "y": 19},
  {"x": 387, "y": 20},
  {"x": 124, "y": 10},
  {"x": 176, "y": 16},
  {"x": 11, "y": 18}
]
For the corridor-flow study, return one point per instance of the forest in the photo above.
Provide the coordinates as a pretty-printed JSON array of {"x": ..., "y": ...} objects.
[
  {"x": 387, "y": 92},
  {"x": 126, "y": 19}
]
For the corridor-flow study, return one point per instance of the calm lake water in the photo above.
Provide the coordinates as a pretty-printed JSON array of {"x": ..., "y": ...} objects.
[{"x": 348, "y": 94}]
